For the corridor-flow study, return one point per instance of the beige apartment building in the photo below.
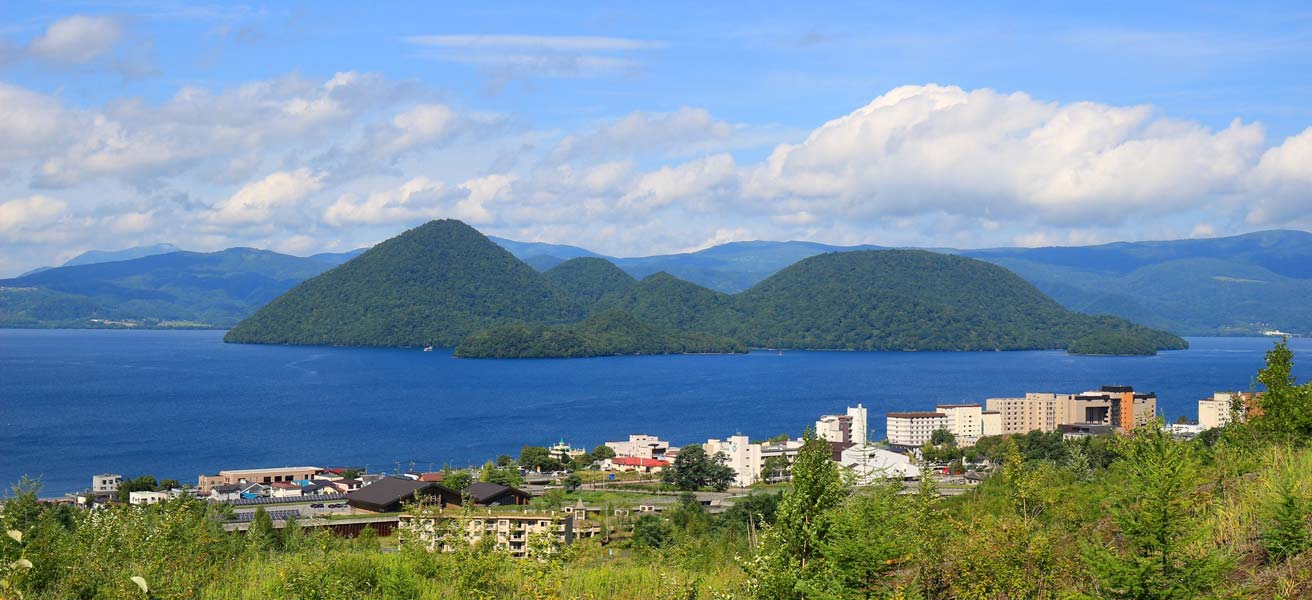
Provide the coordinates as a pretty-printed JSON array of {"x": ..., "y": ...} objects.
[
  {"x": 1223, "y": 407},
  {"x": 969, "y": 422},
  {"x": 1117, "y": 406},
  {"x": 513, "y": 532},
  {"x": 266, "y": 476},
  {"x": 914, "y": 429}
]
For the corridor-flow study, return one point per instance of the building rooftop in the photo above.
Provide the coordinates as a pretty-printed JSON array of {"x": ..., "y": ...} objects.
[
  {"x": 242, "y": 471},
  {"x": 915, "y": 415},
  {"x": 630, "y": 461},
  {"x": 942, "y": 406}
]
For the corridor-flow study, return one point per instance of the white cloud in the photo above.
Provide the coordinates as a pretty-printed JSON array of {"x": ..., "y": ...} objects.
[
  {"x": 503, "y": 58},
  {"x": 30, "y": 123},
  {"x": 925, "y": 148},
  {"x": 417, "y": 200},
  {"x": 26, "y": 220},
  {"x": 77, "y": 39},
  {"x": 1280, "y": 187},
  {"x": 275, "y": 198},
  {"x": 691, "y": 182},
  {"x": 682, "y": 131}
]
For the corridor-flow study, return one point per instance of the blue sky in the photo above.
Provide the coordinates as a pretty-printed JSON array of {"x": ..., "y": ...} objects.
[{"x": 636, "y": 129}]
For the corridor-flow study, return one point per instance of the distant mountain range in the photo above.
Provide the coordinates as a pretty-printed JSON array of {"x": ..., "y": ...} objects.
[
  {"x": 1220, "y": 286},
  {"x": 445, "y": 284}
]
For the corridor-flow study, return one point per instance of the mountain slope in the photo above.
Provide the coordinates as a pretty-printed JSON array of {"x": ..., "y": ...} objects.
[
  {"x": 589, "y": 279},
  {"x": 191, "y": 288},
  {"x": 664, "y": 300},
  {"x": 610, "y": 333},
  {"x": 432, "y": 285},
  {"x": 913, "y": 300},
  {"x": 92, "y": 257}
]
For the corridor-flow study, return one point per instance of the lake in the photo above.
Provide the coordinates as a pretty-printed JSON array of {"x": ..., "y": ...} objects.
[{"x": 178, "y": 403}]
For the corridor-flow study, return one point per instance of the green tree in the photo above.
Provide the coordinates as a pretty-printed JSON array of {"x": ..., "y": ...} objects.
[
  {"x": 1286, "y": 408},
  {"x": 144, "y": 483},
  {"x": 1160, "y": 551},
  {"x": 457, "y": 480},
  {"x": 693, "y": 469},
  {"x": 261, "y": 537},
  {"x": 572, "y": 483},
  {"x": 792, "y": 548},
  {"x": 942, "y": 437},
  {"x": 537, "y": 458},
  {"x": 603, "y": 452},
  {"x": 1285, "y": 531},
  {"x": 689, "y": 516},
  {"x": 650, "y": 531},
  {"x": 775, "y": 466}
]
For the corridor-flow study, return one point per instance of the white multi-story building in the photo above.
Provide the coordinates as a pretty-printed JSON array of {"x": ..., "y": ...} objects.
[
  {"x": 106, "y": 482},
  {"x": 913, "y": 429},
  {"x": 834, "y": 428},
  {"x": 969, "y": 422},
  {"x": 744, "y": 457},
  {"x": 641, "y": 445}
]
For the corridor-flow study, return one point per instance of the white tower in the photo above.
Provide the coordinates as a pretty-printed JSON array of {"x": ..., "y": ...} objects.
[{"x": 858, "y": 415}]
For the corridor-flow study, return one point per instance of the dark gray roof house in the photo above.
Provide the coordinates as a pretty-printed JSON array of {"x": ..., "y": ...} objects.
[
  {"x": 390, "y": 493},
  {"x": 495, "y": 494}
]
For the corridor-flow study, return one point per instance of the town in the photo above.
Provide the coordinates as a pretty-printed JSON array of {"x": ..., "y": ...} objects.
[{"x": 512, "y": 500}]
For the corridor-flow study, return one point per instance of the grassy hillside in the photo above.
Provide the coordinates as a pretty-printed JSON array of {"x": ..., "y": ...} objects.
[{"x": 432, "y": 285}]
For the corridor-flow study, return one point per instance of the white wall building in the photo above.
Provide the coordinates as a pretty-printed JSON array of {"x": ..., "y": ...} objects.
[
  {"x": 859, "y": 424},
  {"x": 969, "y": 422},
  {"x": 744, "y": 457},
  {"x": 106, "y": 482},
  {"x": 641, "y": 445},
  {"x": 1219, "y": 410},
  {"x": 834, "y": 428},
  {"x": 914, "y": 428},
  {"x": 144, "y": 498},
  {"x": 870, "y": 464}
]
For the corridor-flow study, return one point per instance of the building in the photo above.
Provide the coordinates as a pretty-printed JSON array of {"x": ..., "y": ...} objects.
[
  {"x": 145, "y": 498},
  {"x": 519, "y": 534},
  {"x": 860, "y": 425},
  {"x": 224, "y": 493},
  {"x": 105, "y": 482},
  {"x": 484, "y": 493},
  {"x": 285, "y": 489},
  {"x": 914, "y": 429},
  {"x": 1115, "y": 405},
  {"x": 834, "y": 428},
  {"x": 630, "y": 463},
  {"x": 870, "y": 464},
  {"x": 848, "y": 428},
  {"x": 389, "y": 494},
  {"x": 744, "y": 457},
  {"x": 561, "y": 449},
  {"x": 265, "y": 476},
  {"x": 1222, "y": 407},
  {"x": 968, "y": 422},
  {"x": 641, "y": 446}
]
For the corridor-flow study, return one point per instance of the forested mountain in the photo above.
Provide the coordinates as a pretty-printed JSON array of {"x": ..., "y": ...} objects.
[
  {"x": 589, "y": 279},
  {"x": 1228, "y": 286},
  {"x": 432, "y": 285},
  {"x": 609, "y": 333},
  {"x": 215, "y": 289},
  {"x": 913, "y": 300},
  {"x": 441, "y": 282}
]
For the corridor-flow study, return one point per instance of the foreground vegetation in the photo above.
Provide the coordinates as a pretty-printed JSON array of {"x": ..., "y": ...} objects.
[{"x": 1144, "y": 516}]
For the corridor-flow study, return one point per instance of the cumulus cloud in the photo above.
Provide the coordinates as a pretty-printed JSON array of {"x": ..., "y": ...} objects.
[
  {"x": 275, "y": 198},
  {"x": 77, "y": 39},
  {"x": 1281, "y": 185},
  {"x": 929, "y": 148},
  {"x": 419, "y": 199},
  {"x": 27, "y": 220}
]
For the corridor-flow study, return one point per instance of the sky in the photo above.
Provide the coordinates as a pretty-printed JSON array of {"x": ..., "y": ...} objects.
[{"x": 635, "y": 129}]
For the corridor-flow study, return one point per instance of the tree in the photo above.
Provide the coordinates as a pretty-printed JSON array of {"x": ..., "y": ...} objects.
[
  {"x": 775, "y": 466},
  {"x": 537, "y": 458},
  {"x": 942, "y": 437},
  {"x": 261, "y": 537},
  {"x": 505, "y": 460},
  {"x": 457, "y": 480},
  {"x": 572, "y": 483},
  {"x": 1285, "y": 407},
  {"x": 144, "y": 483},
  {"x": 693, "y": 470},
  {"x": 1157, "y": 554},
  {"x": 791, "y": 548},
  {"x": 603, "y": 452},
  {"x": 1285, "y": 529},
  {"x": 170, "y": 484},
  {"x": 688, "y": 515},
  {"x": 650, "y": 531}
]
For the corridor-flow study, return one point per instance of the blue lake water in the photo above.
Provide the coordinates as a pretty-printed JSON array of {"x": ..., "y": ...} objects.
[{"x": 178, "y": 403}]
